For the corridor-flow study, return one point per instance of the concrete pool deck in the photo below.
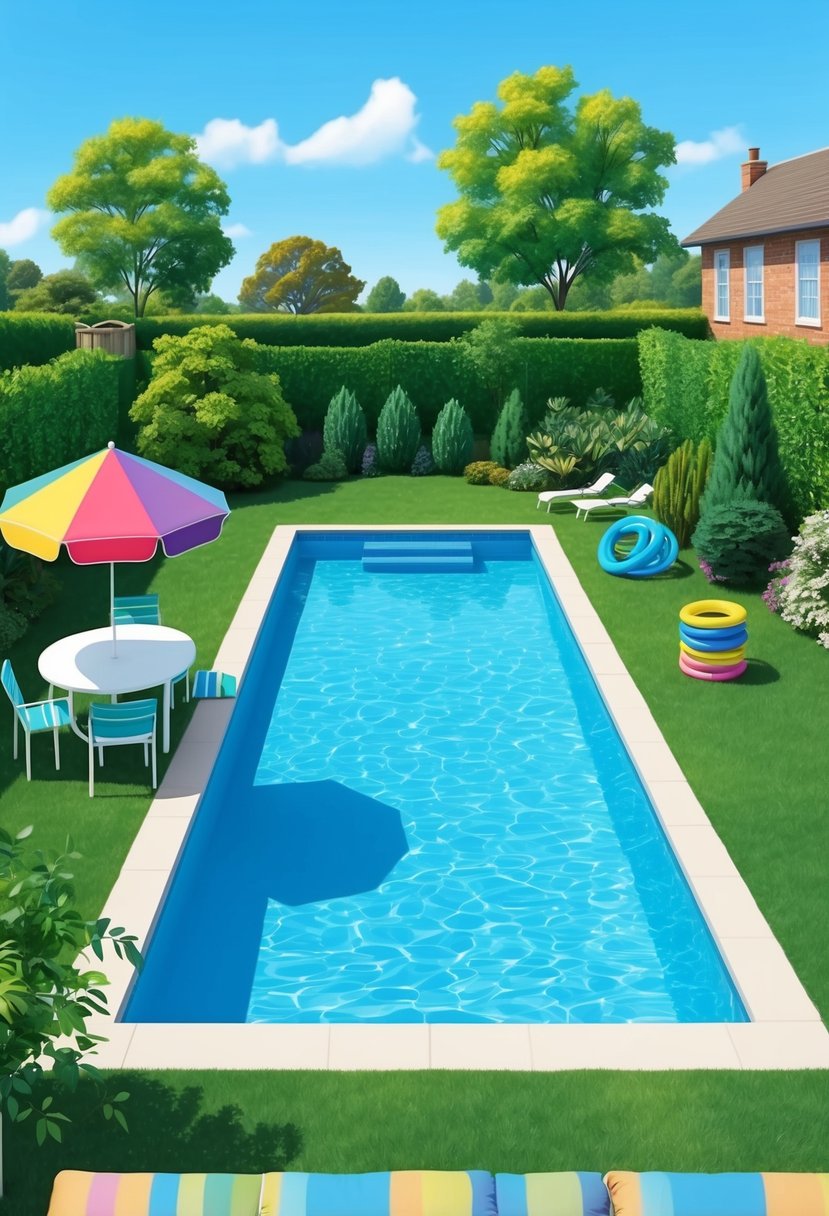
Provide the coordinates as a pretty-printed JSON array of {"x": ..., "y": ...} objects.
[{"x": 785, "y": 1031}]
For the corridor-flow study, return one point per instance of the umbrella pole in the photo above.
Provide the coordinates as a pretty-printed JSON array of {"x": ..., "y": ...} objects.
[{"x": 112, "y": 608}]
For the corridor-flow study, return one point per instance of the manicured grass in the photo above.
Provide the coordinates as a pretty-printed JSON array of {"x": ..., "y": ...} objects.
[{"x": 753, "y": 750}]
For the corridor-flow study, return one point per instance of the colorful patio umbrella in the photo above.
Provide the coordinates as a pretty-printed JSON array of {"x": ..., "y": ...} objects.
[{"x": 111, "y": 507}]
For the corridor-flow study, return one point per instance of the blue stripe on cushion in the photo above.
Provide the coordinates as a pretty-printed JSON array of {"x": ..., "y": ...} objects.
[
  {"x": 595, "y": 1198},
  {"x": 713, "y": 1194},
  {"x": 512, "y": 1195},
  {"x": 218, "y": 1193},
  {"x": 164, "y": 1194},
  {"x": 483, "y": 1193},
  {"x": 347, "y": 1194},
  {"x": 292, "y": 1198},
  {"x": 657, "y": 1195}
]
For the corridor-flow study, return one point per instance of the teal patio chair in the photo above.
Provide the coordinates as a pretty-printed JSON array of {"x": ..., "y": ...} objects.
[
  {"x": 136, "y": 610},
  {"x": 120, "y": 724},
  {"x": 34, "y": 716}
]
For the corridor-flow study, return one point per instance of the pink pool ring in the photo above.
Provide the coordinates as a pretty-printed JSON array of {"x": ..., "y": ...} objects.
[{"x": 699, "y": 671}]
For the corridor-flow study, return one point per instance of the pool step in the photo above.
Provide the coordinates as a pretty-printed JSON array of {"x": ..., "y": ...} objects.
[{"x": 418, "y": 556}]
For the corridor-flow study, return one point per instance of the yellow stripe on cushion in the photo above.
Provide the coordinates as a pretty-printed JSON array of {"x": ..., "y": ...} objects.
[
  {"x": 406, "y": 1193},
  {"x": 271, "y": 1192},
  {"x": 52, "y": 509},
  {"x": 625, "y": 1189},
  {"x": 133, "y": 1198},
  {"x": 190, "y": 1195},
  {"x": 443, "y": 1193},
  {"x": 70, "y": 1192},
  {"x": 553, "y": 1193},
  {"x": 796, "y": 1194}
]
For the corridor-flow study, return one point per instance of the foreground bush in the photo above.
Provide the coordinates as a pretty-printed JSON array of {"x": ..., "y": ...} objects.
[
  {"x": 331, "y": 466},
  {"x": 678, "y": 488},
  {"x": 398, "y": 433},
  {"x": 800, "y": 589},
  {"x": 34, "y": 338},
  {"x": 480, "y": 471},
  {"x": 211, "y": 413},
  {"x": 345, "y": 429},
  {"x": 452, "y": 439},
  {"x": 736, "y": 543},
  {"x": 529, "y": 476},
  {"x": 508, "y": 445}
]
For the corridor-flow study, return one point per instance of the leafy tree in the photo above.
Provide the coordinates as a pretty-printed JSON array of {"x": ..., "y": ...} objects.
[
  {"x": 66, "y": 291},
  {"x": 547, "y": 195},
  {"x": 23, "y": 274},
  {"x": 45, "y": 995},
  {"x": 424, "y": 300},
  {"x": 686, "y": 284},
  {"x": 674, "y": 280},
  {"x": 144, "y": 212},
  {"x": 469, "y": 296},
  {"x": 586, "y": 295},
  {"x": 386, "y": 296},
  {"x": 300, "y": 275},
  {"x": 5, "y": 267},
  {"x": 210, "y": 412},
  {"x": 508, "y": 446},
  {"x": 747, "y": 461},
  {"x": 503, "y": 295},
  {"x": 344, "y": 429},
  {"x": 214, "y": 305},
  {"x": 490, "y": 348},
  {"x": 532, "y": 299}
]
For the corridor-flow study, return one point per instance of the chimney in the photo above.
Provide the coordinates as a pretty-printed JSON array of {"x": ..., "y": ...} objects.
[{"x": 753, "y": 168}]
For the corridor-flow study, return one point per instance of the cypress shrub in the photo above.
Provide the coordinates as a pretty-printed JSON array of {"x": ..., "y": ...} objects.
[
  {"x": 678, "y": 487},
  {"x": 736, "y": 542},
  {"x": 34, "y": 338},
  {"x": 345, "y": 429},
  {"x": 747, "y": 461},
  {"x": 398, "y": 433},
  {"x": 508, "y": 445},
  {"x": 452, "y": 439}
]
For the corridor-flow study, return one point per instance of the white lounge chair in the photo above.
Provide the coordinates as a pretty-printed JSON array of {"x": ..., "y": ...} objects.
[
  {"x": 637, "y": 499},
  {"x": 597, "y": 487}
]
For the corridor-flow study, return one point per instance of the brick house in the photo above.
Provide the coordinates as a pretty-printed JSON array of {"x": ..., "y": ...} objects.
[{"x": 765, "y": 255}]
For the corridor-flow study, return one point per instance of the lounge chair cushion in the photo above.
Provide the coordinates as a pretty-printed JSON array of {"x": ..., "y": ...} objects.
[
  {"x": 210, "y": 684},
  {"x": 76, "y": 1193},
  {"x": 565, "y": 1194},
  {"x": 395, "y": 1193},
  {"x": 718, "y": 1194}
]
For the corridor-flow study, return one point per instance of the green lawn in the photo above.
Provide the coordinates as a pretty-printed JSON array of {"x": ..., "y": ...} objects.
[{"x": 753, "y": 750}]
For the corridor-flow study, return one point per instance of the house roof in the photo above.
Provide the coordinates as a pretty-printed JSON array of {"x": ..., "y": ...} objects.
[{"x": 789, "y": 196}]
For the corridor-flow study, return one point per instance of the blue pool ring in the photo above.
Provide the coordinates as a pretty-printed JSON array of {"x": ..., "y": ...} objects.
[
  {"x": 726, "y": 633},
  {"x": 655, "y": 550},
  {"x": 739, "y": 638}
]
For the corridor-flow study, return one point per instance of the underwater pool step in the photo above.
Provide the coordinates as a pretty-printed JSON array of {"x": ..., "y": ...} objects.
[
  {"x": 420, "y": 563},
  {"x": 410, "y": 548}
]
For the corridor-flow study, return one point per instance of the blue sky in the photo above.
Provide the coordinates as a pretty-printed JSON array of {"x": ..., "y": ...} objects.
[{"x": 259, "y": 81}]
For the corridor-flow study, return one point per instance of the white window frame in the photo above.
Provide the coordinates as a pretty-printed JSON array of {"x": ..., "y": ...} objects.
[
  {"x": 724, "y": 316},
  {"x": 761, "y": 320},
  {"x": 814, "y": 322}
]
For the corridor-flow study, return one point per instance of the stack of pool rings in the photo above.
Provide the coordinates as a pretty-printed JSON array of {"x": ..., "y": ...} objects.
[{"x": 712, "y": 640}]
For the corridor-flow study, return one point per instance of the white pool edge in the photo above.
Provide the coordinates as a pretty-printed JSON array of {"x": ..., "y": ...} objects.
[{"x": 785, "y": 1031}]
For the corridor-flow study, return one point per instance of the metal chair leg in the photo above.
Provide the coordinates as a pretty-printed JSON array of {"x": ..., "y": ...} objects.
[
  {"x": 28, "y": 756},
  {"x": 91, "y": 767},
  {"x": 57, "y": 749}
]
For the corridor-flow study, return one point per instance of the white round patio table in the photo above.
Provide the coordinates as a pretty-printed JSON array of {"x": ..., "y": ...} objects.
[{"x": 146, "y": 656}]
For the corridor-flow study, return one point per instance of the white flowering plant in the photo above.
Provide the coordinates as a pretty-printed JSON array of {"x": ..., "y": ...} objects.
[{"x": 799, "y": 591}]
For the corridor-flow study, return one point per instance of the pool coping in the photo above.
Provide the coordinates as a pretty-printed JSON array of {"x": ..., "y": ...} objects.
[{"x": 785, "y": 1031}]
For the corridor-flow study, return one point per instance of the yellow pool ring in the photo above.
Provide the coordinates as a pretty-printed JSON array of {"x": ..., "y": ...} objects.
[
  {"x": 714, "y": 656},
  {"x": 712, "y": 614}
]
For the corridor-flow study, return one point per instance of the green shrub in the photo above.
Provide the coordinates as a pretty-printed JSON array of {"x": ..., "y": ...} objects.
[
  {"x": 452, "y": 439},
  {"x": 345, "y": 429},
  {"x": 34, "y": 338},
  {"x": 575, "y": 443},
  {"x": 499, "y": 477},
  {"x": 479, "y": 472},
  {"x": 529, "y": 476},
  {"x": 52, "y": 415},
  {"x": 210, "y": 412},
  {"x": 12, "y": 627},
  {"x": 678, "y": 487},
  {"x": 423, "y": 464},
  {"x": 364, "y": 329},
  {"x": 736, "y": 542},
  {"x": 398, "y": 433},
  {"x": 508, "y": 444},
  {"x": 686, "y": 386},
  {"x": 331, "y": 466}
]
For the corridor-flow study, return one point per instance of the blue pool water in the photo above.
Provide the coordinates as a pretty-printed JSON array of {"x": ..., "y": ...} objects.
[{"x": 422, "y": 811}]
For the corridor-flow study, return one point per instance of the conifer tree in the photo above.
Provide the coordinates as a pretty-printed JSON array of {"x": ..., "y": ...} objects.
[{"x": 508, "y": 446}]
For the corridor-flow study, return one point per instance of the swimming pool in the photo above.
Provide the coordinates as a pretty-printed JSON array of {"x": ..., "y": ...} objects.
[{"x": 422, "y": 811}]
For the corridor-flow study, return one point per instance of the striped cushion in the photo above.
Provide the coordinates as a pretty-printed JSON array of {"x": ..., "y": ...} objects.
[
  {"x": 213, "y": 684},
  {"x": 399, "y": 1193},
  {"x": 46, "y": 715},
  {"x": 81, "y": 1194},
  {"x": 571, "y": 1194},
  {"x": 718, "y": 1194}
]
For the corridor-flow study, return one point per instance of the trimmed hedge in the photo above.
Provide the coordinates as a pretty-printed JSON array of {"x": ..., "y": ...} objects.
[
  {"x": 34, "y": 338},
  {"x": 685, "y": 385},
  {"x": 364, "y": 329},
  {"x": 54, "y": 414}
]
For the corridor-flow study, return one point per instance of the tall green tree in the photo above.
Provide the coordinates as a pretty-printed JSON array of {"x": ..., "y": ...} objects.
[
  {"x": 300, "y": 275},
  {"x": 747, "y": 462},
  {"x": 508, "y": 445},
  {"x": 66, "y": 291},
  {"x": 5, "y": 267},
  {"x": 144, "y": 213},
  {"x": 424, "y": 300},
  {"x": 546, "y": 194},
  {"x": 469, "y": 296},
  {"x": 23, "y": 274},
  {"x": 386, "y": 296}
]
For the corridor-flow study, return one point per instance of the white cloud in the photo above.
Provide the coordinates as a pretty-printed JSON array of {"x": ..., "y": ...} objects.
[
  {"x": 227, "y": 142},
  {"x": 384, "y": 126},
  {"x": 236, "y": 231},
  {"x": 719, "y": 144},
  {"x": 24, "y": 226}
]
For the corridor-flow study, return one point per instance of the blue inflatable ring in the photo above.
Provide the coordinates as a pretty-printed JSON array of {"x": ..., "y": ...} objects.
[
  {"x": 656, "y": 548},
  {"x": 724, "y": 634},
  {"x": 714, "y": 644}
]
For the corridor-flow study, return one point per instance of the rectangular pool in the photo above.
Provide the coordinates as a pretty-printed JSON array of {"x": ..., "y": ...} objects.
[{"x": 423, "y": 812}]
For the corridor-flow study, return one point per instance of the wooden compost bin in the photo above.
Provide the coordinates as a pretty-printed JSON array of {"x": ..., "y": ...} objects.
[{"x": 115, "y": 337}]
